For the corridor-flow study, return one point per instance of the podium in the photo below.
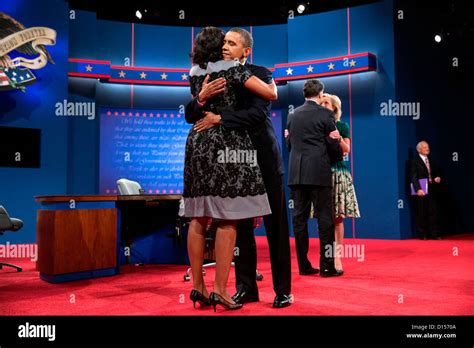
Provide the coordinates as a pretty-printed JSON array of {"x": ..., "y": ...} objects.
[{"x": 80, "y": 237}]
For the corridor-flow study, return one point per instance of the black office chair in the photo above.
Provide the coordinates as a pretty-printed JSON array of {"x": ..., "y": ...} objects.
[{"x": 9, "y": 224}]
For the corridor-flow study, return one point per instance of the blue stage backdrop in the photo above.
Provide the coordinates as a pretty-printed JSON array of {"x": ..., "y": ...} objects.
[
  {"x": 367, "y": 28},
  {"x": 35, "y": 108},
  {"x": 71, "y": 163}
]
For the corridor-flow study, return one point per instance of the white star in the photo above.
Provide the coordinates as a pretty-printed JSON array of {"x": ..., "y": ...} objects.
[
  {"x": 184, "y": 77},
  {"x": 28, "y": 75},
  {"x": 352, "y": 63},
  {"x": 22, "y": 78},
  {"x": 14, "y": 73},
  {"x": 289, "y": 71},
  {"x": 310, "y": 68},
  {"x": 88, "y": 67},
  {"x": 122, "y": 73},
  {"x": 164, "y": 76},
  {"x": 143, "y": 75},
  {"x": 331, "y": 66},
  {"x": 14, "y": 78}
]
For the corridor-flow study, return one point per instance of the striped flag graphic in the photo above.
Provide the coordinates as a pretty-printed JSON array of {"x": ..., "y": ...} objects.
[
  {"x": 18, "y": 77},
  {"x": 3, "y": 79}
]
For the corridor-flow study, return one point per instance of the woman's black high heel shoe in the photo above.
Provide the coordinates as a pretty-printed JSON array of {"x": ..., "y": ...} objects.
[
  {"x": 218, "y": 299},
  {"x": 196, "y": 296}
]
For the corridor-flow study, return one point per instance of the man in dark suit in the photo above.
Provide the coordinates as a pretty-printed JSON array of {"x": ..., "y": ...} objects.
[
  {"x": 254, "y": 115},
  {"x": 310, "y": 177},
  {"x": 426, "y": 205}
]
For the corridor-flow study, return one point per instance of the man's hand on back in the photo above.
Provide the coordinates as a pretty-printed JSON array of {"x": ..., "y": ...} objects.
[
  {"x": 211, "y": 89},
  {"x": 208, "y": 121}
]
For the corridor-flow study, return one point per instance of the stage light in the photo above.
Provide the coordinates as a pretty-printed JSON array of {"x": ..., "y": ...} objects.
[
  {"x": 138, "y": 14},
  {"x": 301, "y": 8},
  {"x": 438, "y": 38}
]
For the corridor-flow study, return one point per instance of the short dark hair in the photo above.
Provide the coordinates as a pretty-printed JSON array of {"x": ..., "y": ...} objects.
[
  {"x": 208, "y": 46},
  {"x": 246, "y": 36},
  {"x": 312, "y": 88}
]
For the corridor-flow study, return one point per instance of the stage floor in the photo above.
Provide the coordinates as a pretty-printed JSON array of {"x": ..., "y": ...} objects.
[{"x": 409, "y": 277}]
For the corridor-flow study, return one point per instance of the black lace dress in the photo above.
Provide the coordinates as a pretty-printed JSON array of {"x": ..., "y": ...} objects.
[{"x": 222, "y": 179}]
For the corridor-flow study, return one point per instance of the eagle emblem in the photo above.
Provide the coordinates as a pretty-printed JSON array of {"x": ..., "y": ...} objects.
[{"x": 14, "y": 37}]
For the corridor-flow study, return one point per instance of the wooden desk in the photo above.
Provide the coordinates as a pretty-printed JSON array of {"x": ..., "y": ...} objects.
[{"x": 78, "y": 236}]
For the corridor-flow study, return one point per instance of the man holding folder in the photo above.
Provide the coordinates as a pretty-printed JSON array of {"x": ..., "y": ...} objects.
[{"x": 425, "y": 179}]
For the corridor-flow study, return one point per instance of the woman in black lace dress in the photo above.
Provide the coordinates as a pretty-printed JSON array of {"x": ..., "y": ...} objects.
[{"x": 222, "y": 179}]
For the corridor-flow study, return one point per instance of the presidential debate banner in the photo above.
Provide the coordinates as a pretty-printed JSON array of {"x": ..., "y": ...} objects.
[{"x": 147, "y": 146}]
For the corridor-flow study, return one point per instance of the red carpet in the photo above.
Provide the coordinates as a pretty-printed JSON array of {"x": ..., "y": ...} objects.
[{"x": 410, "y": 277}]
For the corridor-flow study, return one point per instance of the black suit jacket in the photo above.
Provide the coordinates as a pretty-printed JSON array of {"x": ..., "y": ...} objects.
[
  {"x": 253, "y": 113},
  {"x": 308, "y": 127},
  {"x": 419, "y": 171}
]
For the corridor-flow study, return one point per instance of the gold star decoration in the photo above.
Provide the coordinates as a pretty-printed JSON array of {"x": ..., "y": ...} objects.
[
  {"x": 310, "y": 68},
  {"x": 88, "y": 68},
  {"x": 143, "y": 75},
  {"x": 164, "y": 76},
  {"x": 122, "y": 74},
  {"x": 352, "y": 63},
  {"x": 331, "y": 66}
]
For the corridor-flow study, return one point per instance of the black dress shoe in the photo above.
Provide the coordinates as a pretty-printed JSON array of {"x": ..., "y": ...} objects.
[
  {"x": 309, "y": 271},
  {"x": 282, "y": 301},
  {"x": 331, "y": 273},
  {"x": 243, "y": 296}
]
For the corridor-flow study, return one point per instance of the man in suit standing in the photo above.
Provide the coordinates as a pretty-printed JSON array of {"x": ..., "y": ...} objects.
[
  {"x": 254, "y": 115},
  {"x": 426, "y": 205},
  {"x": 310, "y": 177}
]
